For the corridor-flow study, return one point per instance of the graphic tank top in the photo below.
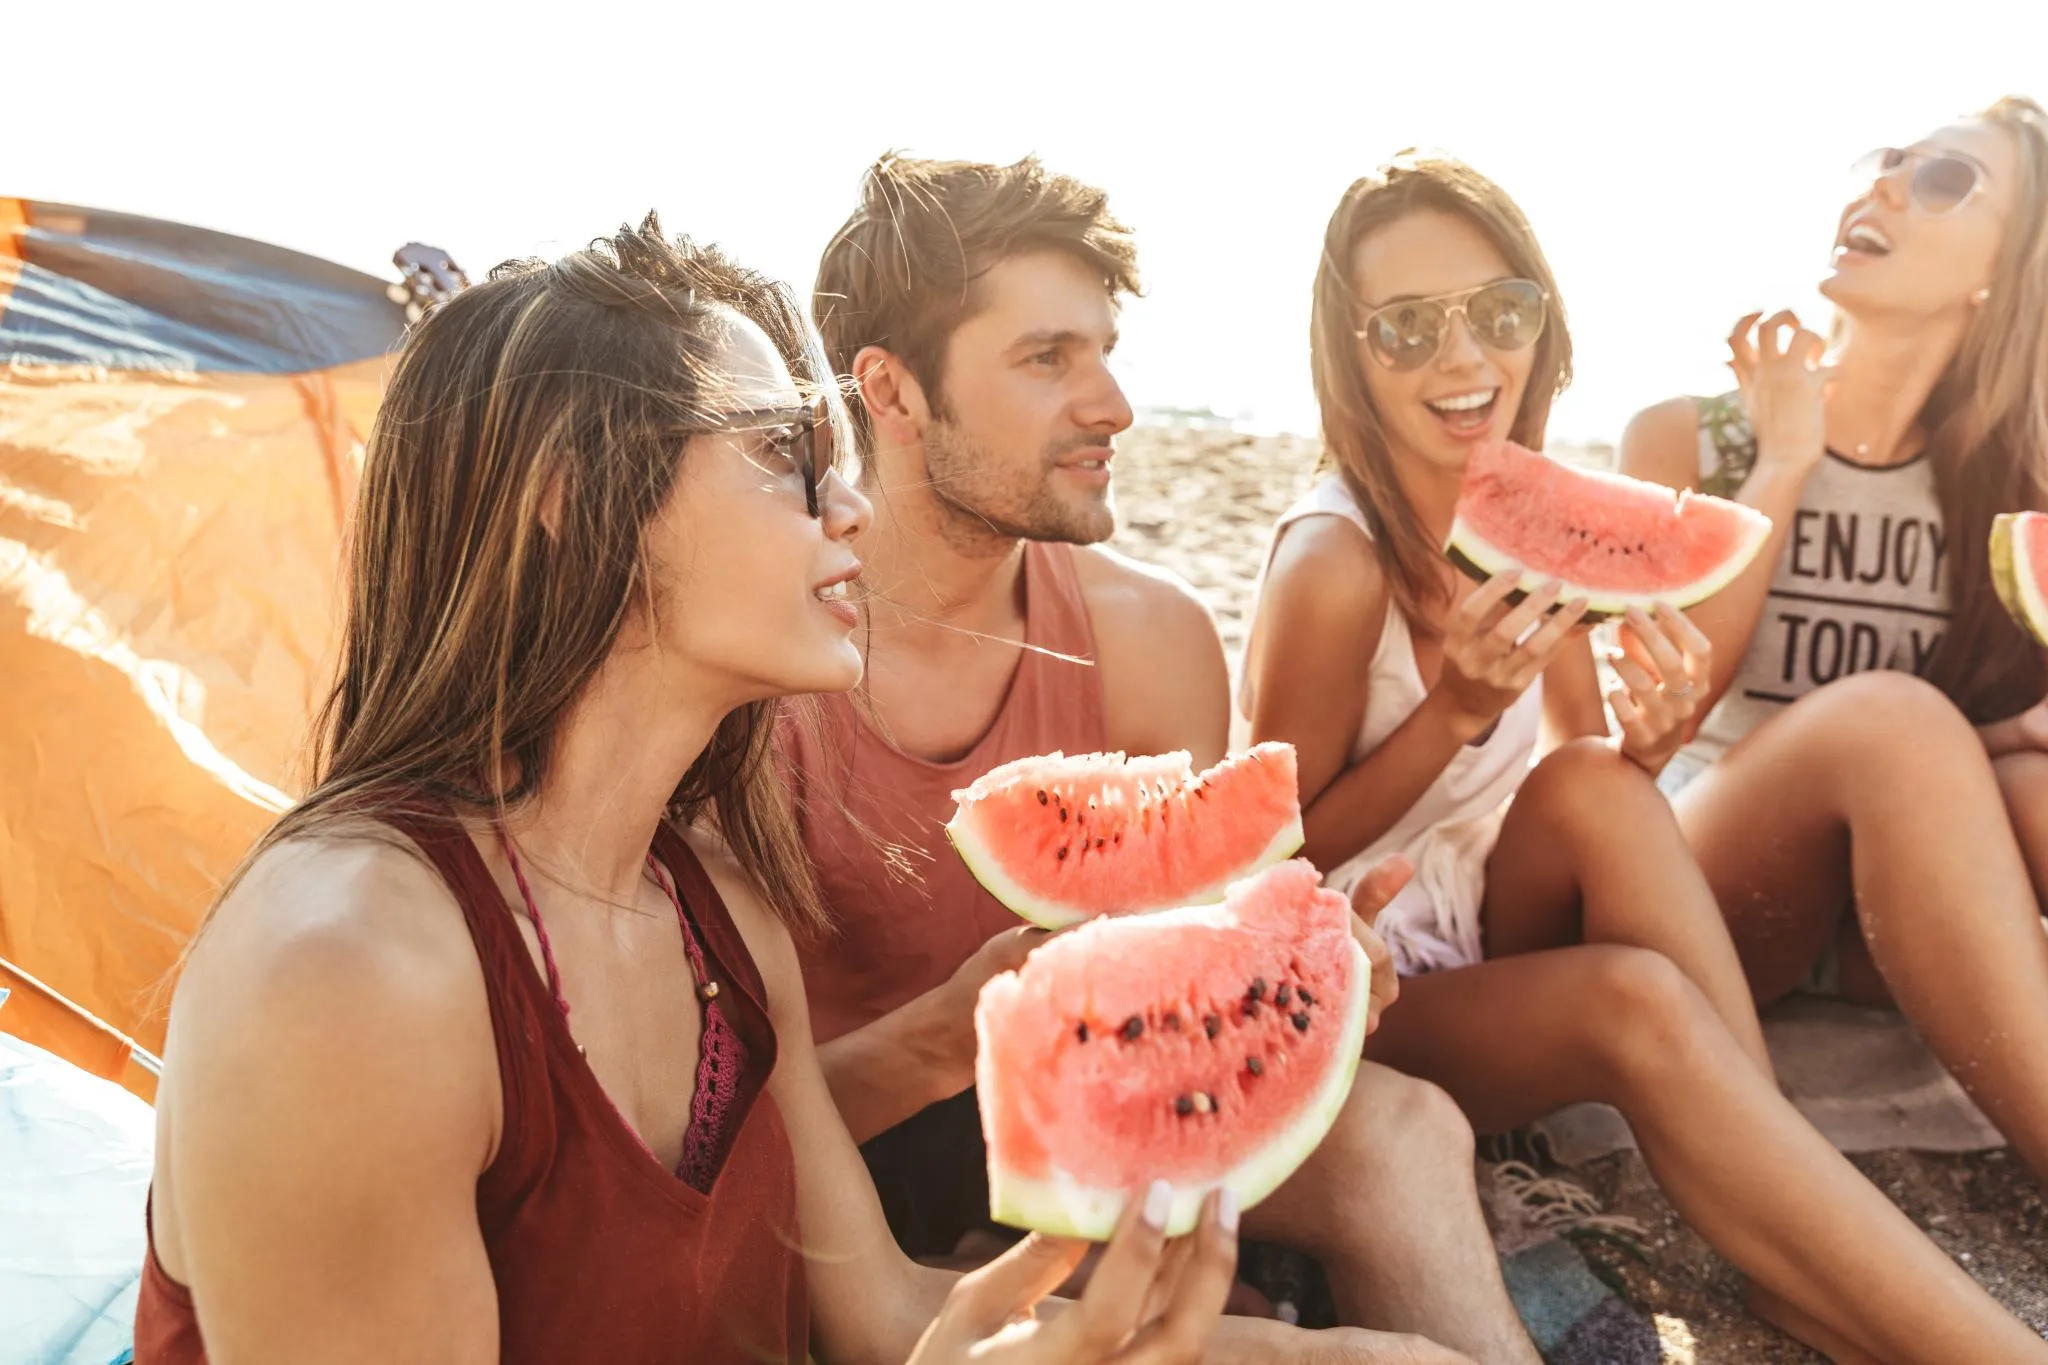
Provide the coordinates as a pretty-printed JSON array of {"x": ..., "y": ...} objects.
[{"x": 1861, "y": 580}]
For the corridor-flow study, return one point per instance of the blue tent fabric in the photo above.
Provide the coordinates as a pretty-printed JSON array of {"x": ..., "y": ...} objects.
[
  {"x": 131, "y": 293},
  {"x": 75, "y": 1157}
]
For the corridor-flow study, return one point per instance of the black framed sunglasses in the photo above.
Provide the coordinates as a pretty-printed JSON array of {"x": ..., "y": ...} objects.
[
  {"x": 1507, "y": 315},
  {"x": 802, "y": 433},
  {"x": 1942, "y": 182}
]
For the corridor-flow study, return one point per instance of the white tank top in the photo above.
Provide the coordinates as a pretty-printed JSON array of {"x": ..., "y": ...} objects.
[
  {"x": 1448, "y": 834},
  {"x": 1861, "y": 583}
]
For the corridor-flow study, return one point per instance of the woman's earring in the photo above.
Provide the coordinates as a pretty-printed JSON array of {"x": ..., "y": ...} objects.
[{"x": 1983, "y": 295}]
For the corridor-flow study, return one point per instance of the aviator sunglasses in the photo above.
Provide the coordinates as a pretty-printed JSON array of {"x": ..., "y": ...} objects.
[
  {"x": 801, "y": 434},
  {"x": 1942, "y": 181},
  {"x": 1507, "y": 315}
]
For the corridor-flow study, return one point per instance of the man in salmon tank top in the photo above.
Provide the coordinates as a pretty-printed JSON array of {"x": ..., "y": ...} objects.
[{"x": 975, "y": 308}]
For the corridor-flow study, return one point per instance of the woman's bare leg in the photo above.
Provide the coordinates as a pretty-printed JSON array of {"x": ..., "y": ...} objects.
[
  {"x": 1516, "y": 1038},
  {"x": 1590, "y": 853},
  {"x": 1875, "y": 792}
]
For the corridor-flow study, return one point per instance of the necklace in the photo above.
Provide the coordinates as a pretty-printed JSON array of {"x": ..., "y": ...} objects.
[{"x": 707, "y": 990}]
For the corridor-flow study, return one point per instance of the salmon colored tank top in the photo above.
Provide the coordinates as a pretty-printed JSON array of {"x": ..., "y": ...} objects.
[
  {"x": 899, "y": 934},
  {"x": 599, "y": 1253}
]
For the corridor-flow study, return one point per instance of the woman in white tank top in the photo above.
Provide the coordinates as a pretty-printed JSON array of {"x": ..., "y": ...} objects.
[
  {"x": 1870, "y": 793},
  {"x": 1559, "y": 941}
]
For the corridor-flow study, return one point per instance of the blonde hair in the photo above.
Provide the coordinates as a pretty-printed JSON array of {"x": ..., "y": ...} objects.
[{"x": 1354, "y": 440}]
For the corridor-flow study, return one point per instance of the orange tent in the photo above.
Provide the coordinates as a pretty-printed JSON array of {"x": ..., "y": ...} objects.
[{"x": 181, "y": 420}]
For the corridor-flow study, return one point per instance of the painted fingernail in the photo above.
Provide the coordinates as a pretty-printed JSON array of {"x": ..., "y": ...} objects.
[
  {"x": 1158, "y": 1203},
  {"x": 1226, "y": 1209}
]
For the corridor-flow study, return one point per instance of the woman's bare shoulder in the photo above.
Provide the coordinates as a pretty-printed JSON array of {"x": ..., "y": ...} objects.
[{"x": 333, "y": 943}]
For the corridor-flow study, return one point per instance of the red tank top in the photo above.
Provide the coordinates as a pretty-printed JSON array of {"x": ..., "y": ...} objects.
[
  {"x": 898, "y": 933},
  {"x": 599, "y": 1253}
]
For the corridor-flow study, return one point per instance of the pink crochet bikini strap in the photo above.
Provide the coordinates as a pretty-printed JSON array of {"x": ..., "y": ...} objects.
[
  {"x": 721, "y": 1059},
  {"x": 721, "y": 1055}
]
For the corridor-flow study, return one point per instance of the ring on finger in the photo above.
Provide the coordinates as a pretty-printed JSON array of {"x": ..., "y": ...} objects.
[{"x": 1682, "y": 692}]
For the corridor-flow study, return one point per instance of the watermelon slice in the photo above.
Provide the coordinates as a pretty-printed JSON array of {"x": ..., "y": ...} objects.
[
  {"x": 1062, "y": 839},
  {"x": 1205, "y": 1046},
  {"x": 2019, "y": 568},
  {"x": 1615, "y": 541}
]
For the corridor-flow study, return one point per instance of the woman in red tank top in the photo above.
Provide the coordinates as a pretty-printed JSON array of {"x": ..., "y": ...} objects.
[{"x": 490, "y": 1051}]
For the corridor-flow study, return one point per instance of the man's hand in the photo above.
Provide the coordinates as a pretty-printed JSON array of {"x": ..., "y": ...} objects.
[
  {"x": 1374, "y": 892},
  {"x": 1003, "y": 953}
]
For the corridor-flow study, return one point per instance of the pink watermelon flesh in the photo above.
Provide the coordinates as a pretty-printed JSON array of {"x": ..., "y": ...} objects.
[
  {"x": 2019, "y": 568},
  {"x": 1613, "y": 540},
  {"x": 1203, "y": 1046},
  {"x": 1061, "y": 839}
]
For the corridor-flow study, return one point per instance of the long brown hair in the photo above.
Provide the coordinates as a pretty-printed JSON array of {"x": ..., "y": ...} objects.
[
  {"x": 1354, "y": 441},
  {"x": 1987, "y": 436},
  {"x": 470, "y": 628}
]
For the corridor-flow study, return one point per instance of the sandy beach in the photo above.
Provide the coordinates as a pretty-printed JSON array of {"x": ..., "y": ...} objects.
[{"x": 1201, "y": 501}]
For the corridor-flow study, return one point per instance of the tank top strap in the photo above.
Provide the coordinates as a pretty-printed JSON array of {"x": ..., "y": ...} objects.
[
  {"x": 510, "y": 983},
  {"x": 1057, "y": 692},
  {"x": 1394, "y": 653},
  {"x": 731, "y": 963},
  {"x": 1056, "y": 613}
]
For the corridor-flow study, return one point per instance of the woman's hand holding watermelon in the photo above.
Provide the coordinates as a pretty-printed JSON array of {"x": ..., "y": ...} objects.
[
  {"x": 1150, "y": 1301},
  {"x": 1492, "y": 651},
  {"x": 1783, "y": 383},
  {"x": 1665, "y": 669}
]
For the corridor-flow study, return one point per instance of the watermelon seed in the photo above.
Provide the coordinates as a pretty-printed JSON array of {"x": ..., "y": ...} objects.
[
  {"x": 1204, "y": 1102},
  {"x": 1041, "y": 798},
  {"x": 1119, "y": 839},
  {"x": 1063, "y": 852},
  {"x": 1251, "y": 1007},
  {"x": 1098, "y": 844},
  {"x": 1183, "y": 1105},
  {"x": 1171, "y": 1021},
  {"x": 1255, "y": 1066},
  {"x": 1282, "y": 996},
  {"x": 1133, "y": 1026},
  {"x": 1081, "y": 1031},
  {"x": 1301, "y": 1022},
  {"x": 1258, "y": 990},
  {"x": 1063, "y": 815},
  {"x": 1201, "y": 793},
  {"x": 1211, "y": 1025},
  {"x": 1306, "y": 998}
]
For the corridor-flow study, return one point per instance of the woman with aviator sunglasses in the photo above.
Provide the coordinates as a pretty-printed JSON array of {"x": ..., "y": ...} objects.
[
  {"x": 1870, "y": 794},
  {"x": 1557, "y": 942}
]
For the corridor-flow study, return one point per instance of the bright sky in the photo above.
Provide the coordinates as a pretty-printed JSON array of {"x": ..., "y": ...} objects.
[{"x": 1682, "y": 162}]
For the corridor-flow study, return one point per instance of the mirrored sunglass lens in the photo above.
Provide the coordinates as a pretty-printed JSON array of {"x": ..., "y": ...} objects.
[
  {"x": 1407, "y": 335},
  {"x": 1942, "y": 182},
  {"x": 1506, "y": 316}
]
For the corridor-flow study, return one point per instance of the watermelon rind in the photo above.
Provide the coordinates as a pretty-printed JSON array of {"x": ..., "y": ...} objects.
[
  {"x": 2017, "y": 582},
  {"x": 1046, "y": 914},
  {"x": 1066, "y": 1208},
  {"x": 1479, "y": 558}
]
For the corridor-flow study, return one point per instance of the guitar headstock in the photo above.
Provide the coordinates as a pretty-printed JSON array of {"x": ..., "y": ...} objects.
[{"x": 431, "y": 277}]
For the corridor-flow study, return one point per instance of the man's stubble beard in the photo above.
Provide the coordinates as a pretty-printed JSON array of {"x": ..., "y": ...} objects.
[{"x": 980, "y": 508}]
